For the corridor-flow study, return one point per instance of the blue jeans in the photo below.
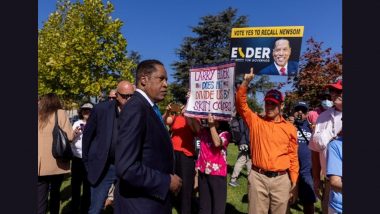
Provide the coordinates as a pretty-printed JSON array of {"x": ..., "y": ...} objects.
[{"x": 99, "y": 192}]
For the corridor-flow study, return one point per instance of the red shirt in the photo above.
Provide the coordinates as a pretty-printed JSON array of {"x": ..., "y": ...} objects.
[{"x": 182, "y": 136}]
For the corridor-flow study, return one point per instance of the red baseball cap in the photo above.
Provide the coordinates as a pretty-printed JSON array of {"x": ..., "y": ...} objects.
[
  {"x": 337, "y": 85},
  {"x": 274, "y": 96}
]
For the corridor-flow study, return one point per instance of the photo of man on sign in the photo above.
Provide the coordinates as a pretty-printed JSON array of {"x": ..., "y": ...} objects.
[
  {"x": 281, "y": 65},
  {"x": 270, "y": 50}
]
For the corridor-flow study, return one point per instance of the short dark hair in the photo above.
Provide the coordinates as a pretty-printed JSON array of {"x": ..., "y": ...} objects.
[
  {"x": 282, "y": 38},
  {"x": 146, "y": 67}
]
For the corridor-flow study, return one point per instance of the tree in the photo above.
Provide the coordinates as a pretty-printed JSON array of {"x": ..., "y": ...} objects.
[
  {"x": 167, "y": 100},
  {"x": 318, "y": 68},
  {"x": 81, "y": 51},
  {"x": 260, "y": 85},
  {"x": 209, "y": 45},
  {"x": 136, "y": 58}
]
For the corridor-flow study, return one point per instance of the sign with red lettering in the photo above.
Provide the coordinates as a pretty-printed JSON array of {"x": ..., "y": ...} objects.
[{"x": 212, "y": 91}]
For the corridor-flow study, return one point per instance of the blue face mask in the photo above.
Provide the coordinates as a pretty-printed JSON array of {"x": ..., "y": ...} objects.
[{"x": 327, "y": 104}]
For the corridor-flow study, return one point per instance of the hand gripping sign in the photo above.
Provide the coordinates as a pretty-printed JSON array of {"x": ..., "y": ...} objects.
[{"x": 212, "y": 91}]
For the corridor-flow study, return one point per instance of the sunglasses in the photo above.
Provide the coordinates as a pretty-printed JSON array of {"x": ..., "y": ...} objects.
[
  {"x": 111, "y": 98},
  {"x": 124, "y": 96},
  {"x": 86, "y": 110}
]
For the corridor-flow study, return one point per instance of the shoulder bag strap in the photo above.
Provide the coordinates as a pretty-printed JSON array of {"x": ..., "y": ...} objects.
[
  {"x": 303, "y": 135},
  {"x": 56, "y": 118}
]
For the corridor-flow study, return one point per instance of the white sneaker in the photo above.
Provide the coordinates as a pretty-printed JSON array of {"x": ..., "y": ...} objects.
[{"x": 233, "y": 183}]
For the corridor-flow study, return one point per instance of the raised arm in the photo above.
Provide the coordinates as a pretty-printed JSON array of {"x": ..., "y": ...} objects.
[
  {"x": 214, "y": 134},
  {"x": 241, "y": 98}
]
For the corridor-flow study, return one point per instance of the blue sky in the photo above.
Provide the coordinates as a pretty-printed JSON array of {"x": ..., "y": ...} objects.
[{"x": 156, "y": 28}]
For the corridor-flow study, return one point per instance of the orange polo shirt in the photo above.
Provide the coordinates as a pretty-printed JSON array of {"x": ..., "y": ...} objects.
[{"x": 273, "y": 144}]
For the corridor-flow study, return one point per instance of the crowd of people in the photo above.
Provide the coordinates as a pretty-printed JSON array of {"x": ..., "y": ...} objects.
[{"x": 129, "y": 156}]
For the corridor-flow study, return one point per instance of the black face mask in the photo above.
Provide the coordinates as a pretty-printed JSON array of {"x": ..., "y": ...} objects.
[{"x": 298, "y": 120}]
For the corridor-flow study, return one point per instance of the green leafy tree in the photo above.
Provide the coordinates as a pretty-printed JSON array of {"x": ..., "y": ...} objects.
[
  {"x": 209, "y": 45},
  {"x": 318, "y": 67},
  {"x": 260, "y": 85},
  {"x": 136, "y": 58},
  {"x": 168, "y": 99},
  {"x": 81, "y": 51}
]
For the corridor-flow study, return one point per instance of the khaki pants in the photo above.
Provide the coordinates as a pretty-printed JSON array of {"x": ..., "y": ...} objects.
[
  {"x": 243, "y": 159},
  {"x": 266, "y": 193}
]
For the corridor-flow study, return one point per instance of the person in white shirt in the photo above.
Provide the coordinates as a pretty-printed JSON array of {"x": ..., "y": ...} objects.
[
  {"x": 329, "y": 124},
  {"x": 78, "y": 172}
]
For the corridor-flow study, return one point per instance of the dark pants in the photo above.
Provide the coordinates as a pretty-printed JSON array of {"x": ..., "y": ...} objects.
[
  {"x": 212, "y": 194},
  {"x": 185, "y": 169},
  {"x": 79, "y": 177},
  {"x": 43, "y": 183}
]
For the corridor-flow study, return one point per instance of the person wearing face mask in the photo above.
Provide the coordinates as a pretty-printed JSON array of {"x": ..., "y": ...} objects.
[
  {"x": 328, "y": 125},
  {"x": 312, "y": 116},
  {"x": 326, "y": 103}
]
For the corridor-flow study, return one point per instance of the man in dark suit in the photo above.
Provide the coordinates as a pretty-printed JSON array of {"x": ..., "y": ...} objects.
[
  {"x": 144, "y": 152},
  {"x": 281, "y": 65},
  {"x": 99, "y": 141}
]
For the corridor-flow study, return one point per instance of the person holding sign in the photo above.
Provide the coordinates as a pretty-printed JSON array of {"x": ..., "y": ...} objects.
[
  {"x": 274, "y": 147},
  {"x": 182, "y": 137},
  {"x": 212, "y": 164},
  {"x": 282, "y": 65}
]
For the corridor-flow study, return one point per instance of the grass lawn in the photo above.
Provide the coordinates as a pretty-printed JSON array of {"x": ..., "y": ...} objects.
[{"x": 237, "y": 197}]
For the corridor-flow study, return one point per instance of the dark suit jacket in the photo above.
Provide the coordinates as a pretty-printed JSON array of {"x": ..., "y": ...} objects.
[
  {"x": 144, "y": 159},
  {"x": 272, "y": 70},
  {"x": 97, "y": 138}
]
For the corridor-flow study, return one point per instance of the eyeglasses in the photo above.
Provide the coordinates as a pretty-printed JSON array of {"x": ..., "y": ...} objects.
[
  {"x": 124, "y": 96},
  {"x": 111, "y": 98}
]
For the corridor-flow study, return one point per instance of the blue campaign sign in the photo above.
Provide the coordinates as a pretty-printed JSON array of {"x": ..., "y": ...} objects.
[{"x": 269, "y": 50}]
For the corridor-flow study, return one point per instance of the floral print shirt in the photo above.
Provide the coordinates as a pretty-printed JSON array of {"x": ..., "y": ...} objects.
[{"x": 212, "y": 160}]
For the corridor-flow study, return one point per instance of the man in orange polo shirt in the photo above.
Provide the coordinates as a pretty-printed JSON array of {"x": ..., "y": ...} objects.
[{"x": 274, "y": 174}]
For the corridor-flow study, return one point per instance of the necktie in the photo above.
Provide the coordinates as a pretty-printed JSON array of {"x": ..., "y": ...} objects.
[
  {"x": 158, "y": 113},
  {"x": 282, "y": 70}
]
